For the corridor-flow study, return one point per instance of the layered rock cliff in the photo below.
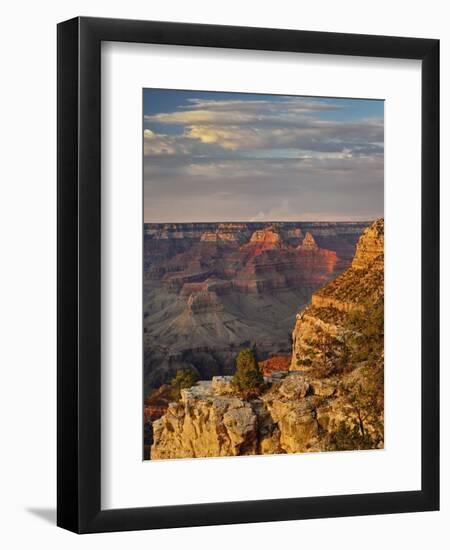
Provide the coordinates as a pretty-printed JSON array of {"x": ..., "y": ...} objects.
[
  {"x": 211, "y": 421},
  {"x": 332, "y": 396},
  {"x": 359, "y": 289}
]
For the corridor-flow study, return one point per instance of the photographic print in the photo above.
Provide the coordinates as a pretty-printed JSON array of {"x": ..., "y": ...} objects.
[{"x": 263, "y": 282}]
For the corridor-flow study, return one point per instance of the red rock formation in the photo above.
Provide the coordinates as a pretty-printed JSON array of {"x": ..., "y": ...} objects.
[
  {"x": 263, "y": 264},
  {"x": 278, "y": 363},
  {"x": 156, "y": 403},
  {"x": 267, "y": 263}
]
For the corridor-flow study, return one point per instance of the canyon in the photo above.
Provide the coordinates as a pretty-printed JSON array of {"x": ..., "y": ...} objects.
[
  {"x": 327, "y": 394},
  {"x": 213, "y": 289}
]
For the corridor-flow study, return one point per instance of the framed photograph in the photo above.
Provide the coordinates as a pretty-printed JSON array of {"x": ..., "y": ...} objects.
[{"x": 248, "y": 259}]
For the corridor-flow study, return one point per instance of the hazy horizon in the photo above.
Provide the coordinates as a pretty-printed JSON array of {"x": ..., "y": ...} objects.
[
  {"x": 233, "y": 157},
  {"x": 366, "y": 220}
]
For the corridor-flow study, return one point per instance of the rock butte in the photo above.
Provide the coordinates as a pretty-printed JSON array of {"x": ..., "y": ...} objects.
[{"x": 308, "y": 243}]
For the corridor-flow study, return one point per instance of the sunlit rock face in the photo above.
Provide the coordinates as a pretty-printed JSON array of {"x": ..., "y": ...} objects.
[
  {"x": 359, "y": 287},
  {"x": 205, "y": 424},
  {"x": 211, "y": 289},
  {"x": 370, "y": 248},
  {"x": 266, "y": 239},
  {"x": 309, "y": 243},
  {"x": 293, "y": 415},
  {"x": 210, "y": 421}
]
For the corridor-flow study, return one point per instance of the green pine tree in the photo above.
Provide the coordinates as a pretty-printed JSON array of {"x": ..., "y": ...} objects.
[
  {"x": 248, "y": 379},
  {"x": 183, "y": 379}
]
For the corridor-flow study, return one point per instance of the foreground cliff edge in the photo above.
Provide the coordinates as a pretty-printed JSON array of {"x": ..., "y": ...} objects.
[{"x": 330, "y": 399}]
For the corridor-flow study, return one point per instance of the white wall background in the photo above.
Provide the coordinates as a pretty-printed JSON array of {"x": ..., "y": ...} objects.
[{"x": 28, "y": 270}]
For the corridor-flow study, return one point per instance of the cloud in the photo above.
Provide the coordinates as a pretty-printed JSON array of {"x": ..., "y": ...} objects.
[
  {"x": 202, "y": 111},
  {"x": 226, "y": 138},
  {"x": 294, "y": 103},
  {"x": 243, "y": 126},
  {"x": 159, "y": 144},
  {"x": 163, "y": 145}
]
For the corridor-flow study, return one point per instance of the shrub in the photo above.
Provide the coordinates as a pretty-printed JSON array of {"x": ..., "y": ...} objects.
[
  {"x": 183, "y": 379},
  {"x": 304, "y": 362},
  {"x": 247, "y": 379},
  {"x": 350, "y": 438},
  {"x": 368, "y": 343}
]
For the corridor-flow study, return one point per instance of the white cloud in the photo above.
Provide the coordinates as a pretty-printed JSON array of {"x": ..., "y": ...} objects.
[{"x": 238, "y": 125}]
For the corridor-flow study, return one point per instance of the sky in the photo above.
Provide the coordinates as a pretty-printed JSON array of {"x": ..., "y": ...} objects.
[{"x": 212, "y": 156}]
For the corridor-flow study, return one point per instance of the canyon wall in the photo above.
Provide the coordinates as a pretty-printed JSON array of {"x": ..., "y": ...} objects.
[
  {"x": 358, "y": 289},
  {"x": 211, "y": 289}
]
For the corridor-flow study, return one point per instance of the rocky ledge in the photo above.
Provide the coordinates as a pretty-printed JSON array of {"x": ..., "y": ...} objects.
[
  {"x": 205, "y": 423},
  {"x": 293, "y": 415}
]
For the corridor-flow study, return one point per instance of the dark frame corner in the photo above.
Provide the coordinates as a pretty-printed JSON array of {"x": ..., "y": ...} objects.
[{"x": 79, "y": 383}]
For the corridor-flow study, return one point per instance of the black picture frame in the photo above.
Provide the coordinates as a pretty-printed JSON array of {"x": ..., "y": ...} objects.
[{"x": 79, "y": 281}]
